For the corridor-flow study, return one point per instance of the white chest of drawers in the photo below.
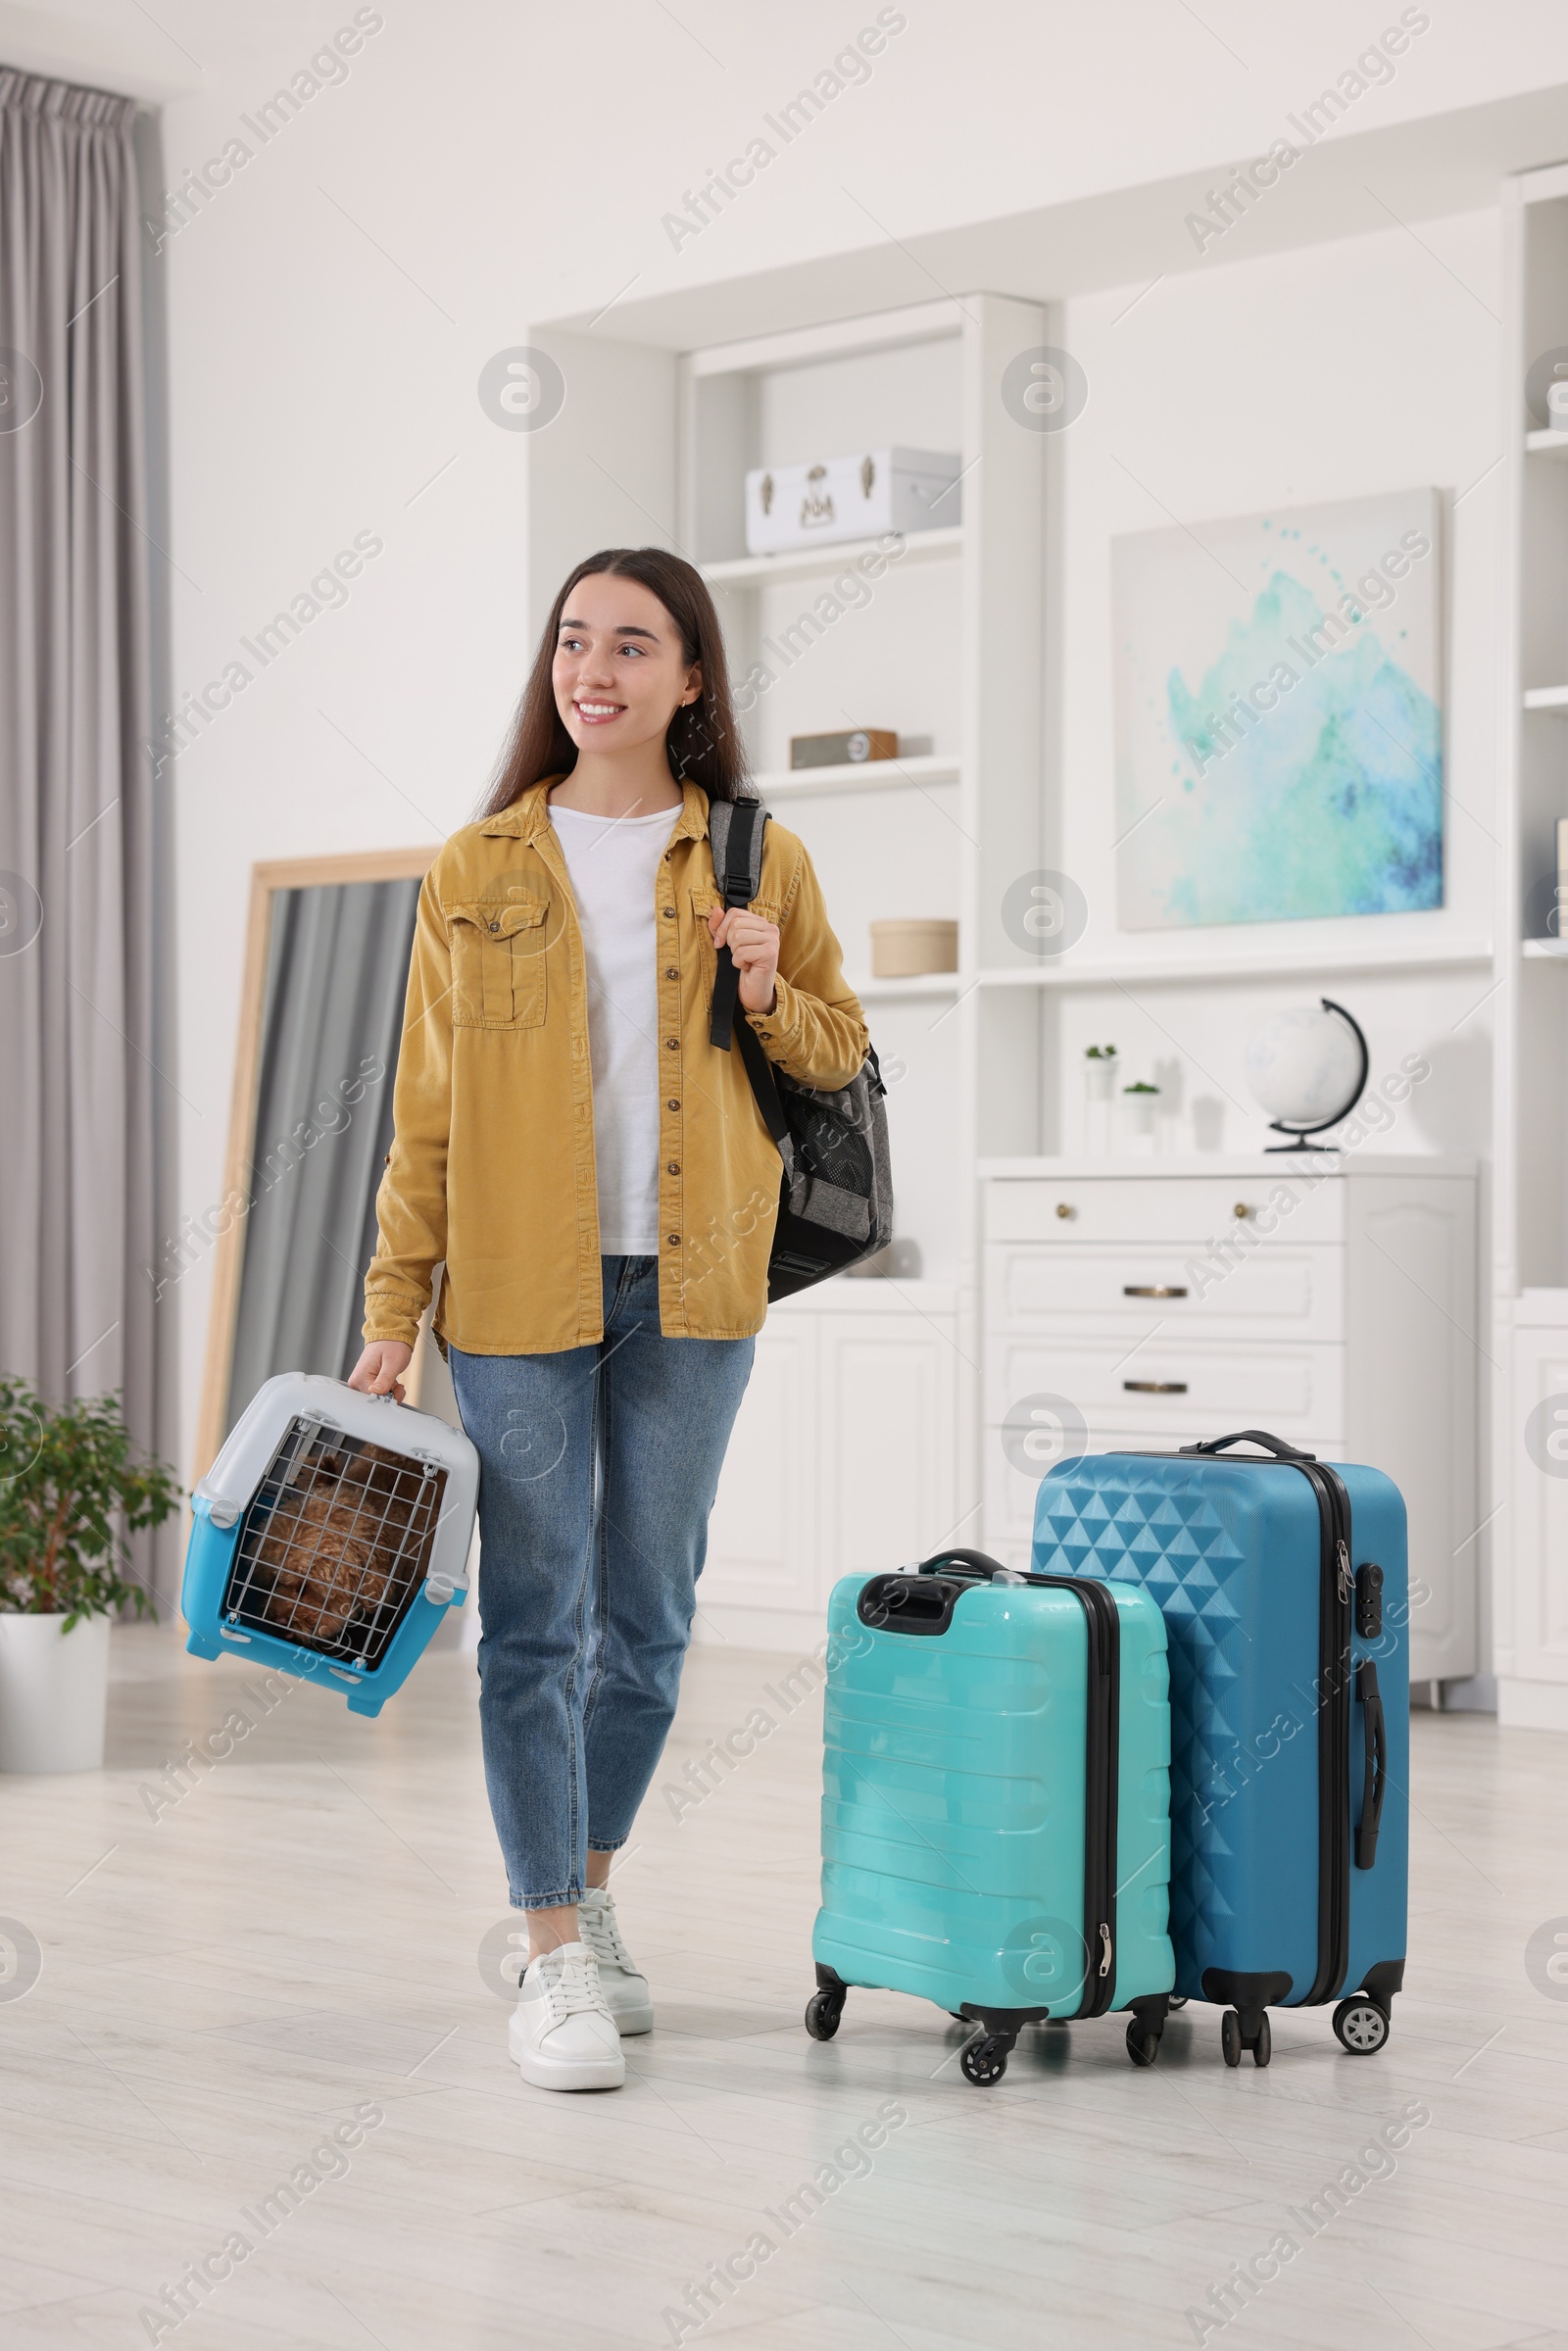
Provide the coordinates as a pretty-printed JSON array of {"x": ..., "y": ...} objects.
[{"x": 1331, "y": 1302}]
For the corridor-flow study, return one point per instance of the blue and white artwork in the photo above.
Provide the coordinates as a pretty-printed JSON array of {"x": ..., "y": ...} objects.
[{"x": 1278, "y": 715}]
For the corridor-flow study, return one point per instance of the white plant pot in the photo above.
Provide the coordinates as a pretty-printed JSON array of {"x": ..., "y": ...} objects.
[
  {"x": 54, "y": 1694},
  {"x": 1139, "y": 1112}
]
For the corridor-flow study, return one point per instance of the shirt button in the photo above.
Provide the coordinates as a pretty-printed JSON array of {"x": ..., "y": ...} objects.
[
  {"x": 672, "y": 1167},
  {"x": 673, "y": 1105},
  {"x": 673, "y": 1045},
  {"x": 672, "y": 971},
  {"x": 673, "y": 1239},
  {"x": 668, "y": 913},
  {"x": 495, "y": 926}
]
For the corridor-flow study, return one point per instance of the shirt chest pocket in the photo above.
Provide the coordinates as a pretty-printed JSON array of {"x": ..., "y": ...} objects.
[
  {"x": 498, "y": 962},
  {"x": 703, "y": 900}
]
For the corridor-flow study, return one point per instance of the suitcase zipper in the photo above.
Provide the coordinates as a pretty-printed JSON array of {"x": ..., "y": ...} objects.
[
  {"x": 1101, "y": 1787},
  {"x": 1338, "y": 1591},
  {"x": 1103, "y": 1747}
]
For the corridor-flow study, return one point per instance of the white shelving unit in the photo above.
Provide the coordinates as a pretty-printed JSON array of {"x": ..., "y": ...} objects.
[
  {"x": 941, "y": 638},
  {"x": 1530, "y": 1218}
]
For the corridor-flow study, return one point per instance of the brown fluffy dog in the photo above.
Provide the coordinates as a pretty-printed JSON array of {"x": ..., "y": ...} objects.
[{"x": 332, "y": 1551}]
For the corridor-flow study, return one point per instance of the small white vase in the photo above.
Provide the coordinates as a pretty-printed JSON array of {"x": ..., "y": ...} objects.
[
  {"x": 1099, "y": 1086},
  {"x": 54, "y": 1694}
]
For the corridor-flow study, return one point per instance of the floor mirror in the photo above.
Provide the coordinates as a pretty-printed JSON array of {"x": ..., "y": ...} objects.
[{"x": 327, "y": 964}]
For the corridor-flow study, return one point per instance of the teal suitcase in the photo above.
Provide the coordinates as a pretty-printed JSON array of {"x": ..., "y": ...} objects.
[{"x": 995, "y": 1802}]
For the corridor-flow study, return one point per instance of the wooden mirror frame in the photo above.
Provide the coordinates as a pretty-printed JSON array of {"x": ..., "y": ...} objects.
[{"x": 286, "y": 873}]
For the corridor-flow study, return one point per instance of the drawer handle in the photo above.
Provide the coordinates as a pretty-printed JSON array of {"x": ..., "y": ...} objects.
[
  {"x": 1064, "y": 1208},
  {"x": 1151, "y": 1290},
  {"x": 1157, "y": 1387}
]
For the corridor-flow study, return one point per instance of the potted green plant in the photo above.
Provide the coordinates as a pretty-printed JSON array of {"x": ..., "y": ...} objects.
[
  {"x": 1142, "y": 1101},
  {"x": 71, "y": 1482}
]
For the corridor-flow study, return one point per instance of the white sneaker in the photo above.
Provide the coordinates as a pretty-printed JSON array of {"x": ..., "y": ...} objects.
[
  {"x": 562, "y": 2033},
  {"x": 624, "y": 1987}
]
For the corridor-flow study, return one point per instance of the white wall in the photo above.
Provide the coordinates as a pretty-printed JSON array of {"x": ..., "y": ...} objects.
[{"x": 487, "y": 166}]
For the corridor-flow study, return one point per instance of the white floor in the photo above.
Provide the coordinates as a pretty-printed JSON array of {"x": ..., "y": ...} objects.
[{"x": 299, "y": 1936}]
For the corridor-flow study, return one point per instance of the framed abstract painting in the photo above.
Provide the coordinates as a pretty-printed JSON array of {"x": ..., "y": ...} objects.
[{"x": 1279, "y": 716}]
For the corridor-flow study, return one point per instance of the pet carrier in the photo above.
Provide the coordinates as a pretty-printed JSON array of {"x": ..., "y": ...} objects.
[{"x": 330, "y": 1535}]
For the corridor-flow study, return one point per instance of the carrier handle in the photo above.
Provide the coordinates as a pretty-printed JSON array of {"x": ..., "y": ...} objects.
[
  {"x": 1274, "y": 1444},
  {"x": 1377, "y": 1763},
  {"x": 976, "y": 1563}
]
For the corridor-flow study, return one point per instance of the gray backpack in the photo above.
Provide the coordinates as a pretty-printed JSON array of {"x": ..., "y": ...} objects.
[{"x": 836, "y": 1193}]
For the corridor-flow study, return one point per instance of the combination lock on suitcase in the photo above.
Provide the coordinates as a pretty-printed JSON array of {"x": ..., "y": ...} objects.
[
  {"x": 996, "y": 1830},
  {"x": 1283, "y": 1581}
]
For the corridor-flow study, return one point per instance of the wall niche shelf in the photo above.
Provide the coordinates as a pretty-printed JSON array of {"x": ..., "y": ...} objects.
[
  {"x": 862, "y": 775},
  {"x": 813, "y": 563},
  {"x": 1547, "y": 444},
  {"x": 1309, "y": 963},
  {"x": 1547, "y": 697},
  {"x": 910, "y": 990},
  {"x": 1547, "y": 950}
]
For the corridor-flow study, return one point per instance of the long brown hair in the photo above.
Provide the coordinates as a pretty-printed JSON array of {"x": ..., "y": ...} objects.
[{"x": 703, "y": 740}]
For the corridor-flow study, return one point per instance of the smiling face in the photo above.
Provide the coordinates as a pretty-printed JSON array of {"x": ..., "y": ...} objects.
[{"x": 620, "y": 670}]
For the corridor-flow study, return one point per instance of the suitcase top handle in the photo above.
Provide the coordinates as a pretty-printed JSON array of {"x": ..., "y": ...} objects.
[
  {"x": 975, "y": 1563},
  {"x": 1273, "y": 1444}
]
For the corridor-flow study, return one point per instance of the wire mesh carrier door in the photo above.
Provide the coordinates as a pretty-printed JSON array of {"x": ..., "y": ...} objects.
[{"x": 330, "y": 1535}]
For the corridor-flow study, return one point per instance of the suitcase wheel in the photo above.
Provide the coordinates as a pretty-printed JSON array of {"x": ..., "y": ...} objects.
[
  {"x": 1143, "y": 2046},
  {"x": 1361, "y": 2025},
  {"x": 985, "y": 2061},
  {"x": 822, "y": 2013},
  {"x": 1235, "y": 2037}
]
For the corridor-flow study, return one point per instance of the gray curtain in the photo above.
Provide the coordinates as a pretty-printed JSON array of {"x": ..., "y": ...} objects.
[
  {"x": 337, "y": 967},
  {"x": 77, "y": 1045}
]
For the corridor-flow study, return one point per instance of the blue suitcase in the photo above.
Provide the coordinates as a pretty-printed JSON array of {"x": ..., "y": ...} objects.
[
  {"x": 1284, "y": 1585},
  {"x": 996, "y": 1806}
]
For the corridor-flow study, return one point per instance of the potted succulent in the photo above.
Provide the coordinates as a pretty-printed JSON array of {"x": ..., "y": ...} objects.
[
  {"x": 1142, "y": 1103},
  {"x": 70, "y": 1480}
]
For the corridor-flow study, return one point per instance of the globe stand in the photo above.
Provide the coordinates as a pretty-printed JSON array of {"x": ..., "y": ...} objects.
[{"x": 1298, "y": 1132}]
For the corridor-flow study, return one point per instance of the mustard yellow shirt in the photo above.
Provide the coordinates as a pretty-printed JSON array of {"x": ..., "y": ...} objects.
[{"x": 491, "y": 1170}]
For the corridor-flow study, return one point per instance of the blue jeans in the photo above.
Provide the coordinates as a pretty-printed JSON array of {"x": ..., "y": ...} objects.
[{"x": 598, "y": 1469}]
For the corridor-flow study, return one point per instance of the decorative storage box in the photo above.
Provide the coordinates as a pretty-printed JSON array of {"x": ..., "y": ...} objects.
[
  {"x": 902, "y": 948},
  {"x": 331, "y": 1537},
  {"x": 844, "y": 749},
  {"x": 852, "y": 497}
]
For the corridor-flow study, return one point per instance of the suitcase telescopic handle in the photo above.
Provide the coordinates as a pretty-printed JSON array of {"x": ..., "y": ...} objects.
[
  {"x": 1273, "y": 1444},
  {"x": 1377, "y": 1763}
]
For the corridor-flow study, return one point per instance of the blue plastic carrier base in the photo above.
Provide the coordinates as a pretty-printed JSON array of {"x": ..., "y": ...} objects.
[
  {"x": 331, "y": 1537},
  {"x": 996, "y": 1806},
  {"x": 1284, "y": 1585}
]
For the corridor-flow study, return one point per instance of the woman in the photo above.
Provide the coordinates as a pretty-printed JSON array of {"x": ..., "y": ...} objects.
[{"x": 597, "y": 1178}]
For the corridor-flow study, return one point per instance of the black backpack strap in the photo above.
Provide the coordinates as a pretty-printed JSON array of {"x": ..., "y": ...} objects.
[
  {"x": 764, "y": 1085},
  {"x": 735, "y": 831}
]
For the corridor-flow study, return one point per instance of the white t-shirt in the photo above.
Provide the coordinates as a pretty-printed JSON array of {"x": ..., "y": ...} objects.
[{"x": 613, "y": 862}]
